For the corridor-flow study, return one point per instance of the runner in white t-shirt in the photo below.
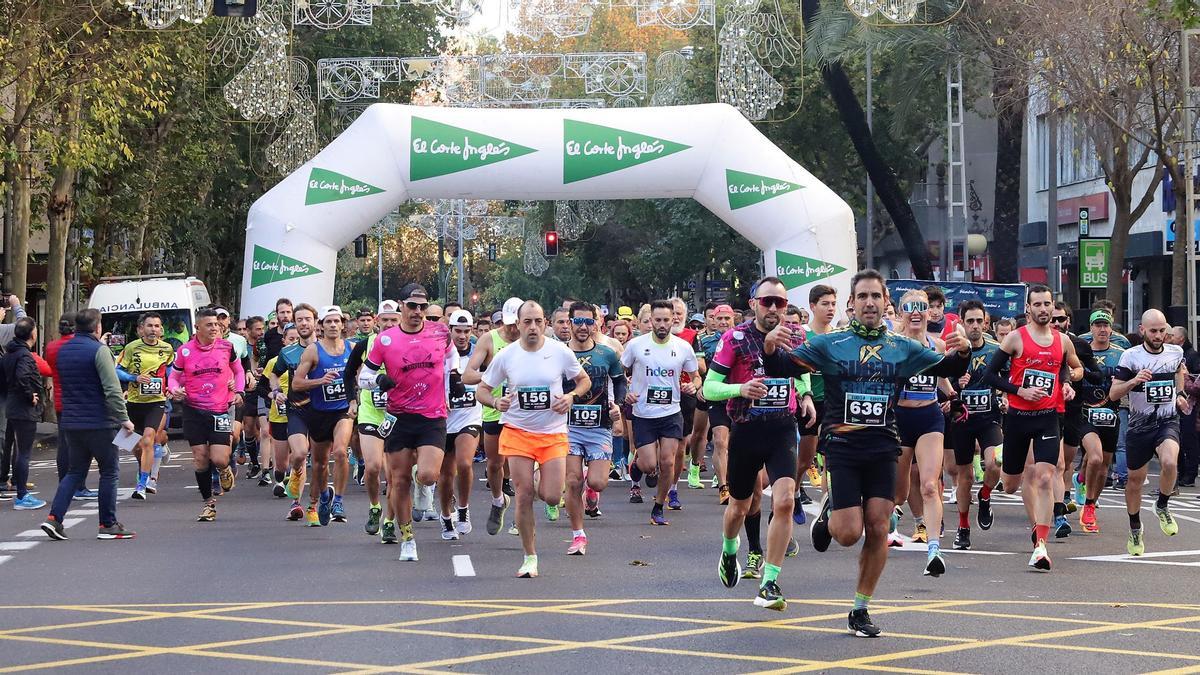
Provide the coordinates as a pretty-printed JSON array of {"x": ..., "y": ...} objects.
[
  {"x": 463, "y": 427},
  {"x": 534, "y": 415},
  {"x": 655, "y": 361}
]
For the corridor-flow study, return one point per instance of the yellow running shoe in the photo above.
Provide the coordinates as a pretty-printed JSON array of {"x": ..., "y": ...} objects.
[
  {"x": 1167, "y": 522},
  {"x": 1135, "y": 546},
  {"x": 295, "y": 484},
  {"x": 227, "y": 478},
  {"x": 920, "y": 535},
  {"x": 310, "y": 517},
  {"x": 814, "y": 476}
]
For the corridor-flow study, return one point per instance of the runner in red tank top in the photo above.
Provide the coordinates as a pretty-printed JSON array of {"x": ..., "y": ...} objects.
[{"x": 1036, "y": 394}]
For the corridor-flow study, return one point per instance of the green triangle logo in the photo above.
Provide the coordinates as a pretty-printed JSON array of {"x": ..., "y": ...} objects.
[
  {"x": 330, "y": 186},
  {"x": 796, "y": 270},
  {"x": 590, "y": 150},
  {"x": 439, "y": 149},
  {"x": 747, "y": 188},
  {"x": 269, "y": 267}
]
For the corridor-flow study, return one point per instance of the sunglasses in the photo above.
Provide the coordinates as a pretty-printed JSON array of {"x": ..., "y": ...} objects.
[
  {"x": 914, "y": 306},
  {"x": 583, "y": 321},
  {"x": 772, "y": 301},
  {"x": 1058, "y": 319},
  {"x": 430, "y": 317},
  {"x": 417, "y": 305}
]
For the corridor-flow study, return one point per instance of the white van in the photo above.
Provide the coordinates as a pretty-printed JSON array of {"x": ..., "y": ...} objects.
[{"x": 121, "y": 300}]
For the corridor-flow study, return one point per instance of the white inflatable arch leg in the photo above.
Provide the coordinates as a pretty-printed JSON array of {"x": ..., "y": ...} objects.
[{"x": 392, "y": 153}]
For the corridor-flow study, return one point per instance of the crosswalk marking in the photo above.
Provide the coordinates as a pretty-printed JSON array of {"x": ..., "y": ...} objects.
[{"x": 463, "y": 566}]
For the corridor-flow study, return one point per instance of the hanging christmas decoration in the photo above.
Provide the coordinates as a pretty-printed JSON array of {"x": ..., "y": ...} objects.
[{"x": 752, "y": 41}]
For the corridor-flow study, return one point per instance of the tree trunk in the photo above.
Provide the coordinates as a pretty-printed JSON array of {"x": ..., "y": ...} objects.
[
  {"x": 1006, "y": 214},
  {"x": 883, "y": 176},
  {"x": 1115, "y": 289},
  {"x": 60, "y": 212},
  {"x": 22, "y": 192},
  {"x": 1179, "y": 255}
]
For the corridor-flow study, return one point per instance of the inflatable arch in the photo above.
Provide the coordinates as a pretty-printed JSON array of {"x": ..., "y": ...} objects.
[{"x": 392, "y": 153}]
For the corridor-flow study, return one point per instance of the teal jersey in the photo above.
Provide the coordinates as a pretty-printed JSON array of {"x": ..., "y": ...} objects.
[
  {"x": 287, "y": 362},
  {"x": 978, "y": 398},
  {"x": 863, "y": 377},
  {"x": 708, "y": 345},
  {"x": 1097, "y": 394},
  {"x": 1117, "y": 340},
  {"x": 600, "y": 363}
]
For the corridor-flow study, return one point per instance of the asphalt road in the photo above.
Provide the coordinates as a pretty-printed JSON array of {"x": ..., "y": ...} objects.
[{"x": 255, "y": 593}]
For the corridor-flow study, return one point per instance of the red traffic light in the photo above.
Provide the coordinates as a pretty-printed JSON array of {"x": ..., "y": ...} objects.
[{"x": 551, "y": 244}]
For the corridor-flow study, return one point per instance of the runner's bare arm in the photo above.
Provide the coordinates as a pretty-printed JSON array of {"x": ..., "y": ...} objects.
[
  {"x": 308, "y": 361},
  {"x": 483, "y": 350}
]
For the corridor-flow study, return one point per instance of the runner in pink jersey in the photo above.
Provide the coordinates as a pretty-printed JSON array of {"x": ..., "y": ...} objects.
[
  {"x": 416, "y": 363},
  {"x": 207, "y": 380}
]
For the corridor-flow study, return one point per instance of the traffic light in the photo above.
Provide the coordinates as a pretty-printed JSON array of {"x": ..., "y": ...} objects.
[
  {"x": 491, "y": 251},
  {"x": 474, "y": 299},
  {"x": 360, "y": 246},
  {"x": 236, "y": 8},
  {"x": 551, "y": 244}
]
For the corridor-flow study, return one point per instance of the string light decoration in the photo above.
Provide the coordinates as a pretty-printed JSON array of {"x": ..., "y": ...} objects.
[
  {"x": 677, "y": 14},
  {"x": 297, "y": 142},
  {"x": 752, "y": 41},
  {"x": 262, "y": 89},
  {"x": 573, "y": 218},
  {"x": 564, "y": 19},
  {"x": 669, "y": 70},
  {"x": 885, "y": 13},
  {"x": 160, "y": 14}
]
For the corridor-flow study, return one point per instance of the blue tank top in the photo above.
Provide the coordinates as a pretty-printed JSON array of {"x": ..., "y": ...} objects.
[
  {"x": 921, "y": 387},
  {"x": 331, "y": 396}
]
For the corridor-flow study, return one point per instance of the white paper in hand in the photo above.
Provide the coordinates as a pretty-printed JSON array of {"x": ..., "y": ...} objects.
[{"x": 126, "y": 440}]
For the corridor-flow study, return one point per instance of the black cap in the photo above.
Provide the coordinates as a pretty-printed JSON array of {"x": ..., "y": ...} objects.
[{"x": 413, "y": 291}]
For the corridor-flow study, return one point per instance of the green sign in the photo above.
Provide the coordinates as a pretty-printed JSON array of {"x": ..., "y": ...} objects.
[
  {"x": 797, "y": 270},
  {"x": 746, "y": 189},
  {"x": 330, "y": 186},
  {"x": 591, "y": 150},
  {"x": 439, "y": 149},
  {"x": 269, "y": 267},
  {"x": 1093, "y": 263}
]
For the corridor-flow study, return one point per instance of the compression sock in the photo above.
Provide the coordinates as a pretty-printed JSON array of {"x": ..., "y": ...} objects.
[
  {"x": 252, "y": 450},
  {"x": 729, "y": 546},
  {"x": 278, "y": 476},
  {"x": 770, "y": 573},
  {"x": 143, "y": 477},
  {"x": 861, "y": 600},
  {"x": 985, "y": 491},
  {"x": 158, "y": 457},
  {"x": 1041, "y": 532},
  {"x": 1135, "y": 521},
  {"x": 204, "y": 482},
  {"x": 1161, "y": 503},
  {"x": 1089, "y": 502},
  {"x": 964, "y": 520},
  {"x": 753, "y": 527}
]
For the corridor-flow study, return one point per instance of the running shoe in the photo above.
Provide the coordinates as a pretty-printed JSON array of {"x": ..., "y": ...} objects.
[
  {"x": 1062, "y": 529},
  {"x": 723, "y": 495},
  {"x": 84, "y": 494},
  {"x": 253, "y": 471},
  {"x": 614, "y": 473},
  {"x": 728, "y": 569},
  {"x": 920, "y": 534},
  {"x": 1165, "y": 521},
  {"x": 528, "y": 569},
  {"x": 387, "y": 532},
  {"x": 635, "y": 494},
  {"x": 894, "y": 540},
  {"x": 1087, "y": 520},
  {"x": 373, "y": 515},
  {"x": 209, "y": 513},
  {"x": 449, "y": 533},
  {"x": 280, "y": 491},
  {"x": 798, "y": 515},
  {"x": 935, "y": 565},
  {"x": 228, "y": 479},
  {"x": 591, "y": 503},
  {"x": 464, "y": 521},
  {"x": 753, "y": 568},
  {"x": 652, "y": 480},
  {"x": 295, "y": 511},
  {"x": 507, "y": 488},
  {"x": 325, "y": 506},
  {"x": 985, "y": 516},
  {"x": 814, "y": 477},
  {"x": 312, "y": 517},
  {"x": 1040, "y": 558},
  {"x": 1080, "y": 489},
  {"x": 495, "y": 521},
  {"x": 295, "y": 484},
  {"x": 802, "y": 496},
  {"x": 53, "y": 528},
  {"x": 552, "y": 512},
  {"x": 512, "y": 529},
  {"x": 770, "y": 597},
  {"x": 693, "y": 480},
  {"x": 28, "y": 503},
  {"x": 657, "y": 517},
  {"x": 673, "y": 500},
  {"x": 962, "y": 539},
  {"x": 152, "y": 486},
  {"x": 1135, "y": 546},
  {"x": 793, "y": 549},
  {"x": 1119, "y": 483},
  {"x": 819, "y": 530},
  {"x": 139, "y": 493},
  {"x": 578, "y": 545},
  {"x": 408, "y": 550},
  {"x": 115, "y": 531},
  {"x": 860, "y": 624},
  {"x": 264, "y": 478},
  {"x": 337, "y": 512}
]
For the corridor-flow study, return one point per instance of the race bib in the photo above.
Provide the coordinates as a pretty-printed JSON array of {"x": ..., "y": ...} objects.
[
  {"x": 1160, "y": 392},
  {"x": 223, "y": 424},
  {"x": 334, "y": 391},
  {"x": 1102, "y": 417},
  {"x": 152, "y": 388},
  {"x": 977, "y": 400},
  {"x": 867, "y": 410},
  {"x": 921, "y": 384},
  {"x": 281, "y": 409},
  {"x": 386, "y": 426},
  {"x": 659, "y": 395},
  {"x": 379, "y": 399},
  {"x": 1038, "y": 379},
  {"x": 467, "y": 400},
  {"x": 779, "y": 392},
  {"x": 533, "y": 398},
  {"x": 584, "y": 416}
]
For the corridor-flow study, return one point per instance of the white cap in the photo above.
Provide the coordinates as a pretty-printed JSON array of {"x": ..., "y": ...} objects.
[
  {"x": 512, "y": 307},
  {"x": 388, "y": 307},
  {"x": 461, "y": 317},
  {"x": 329, "y": 310}
]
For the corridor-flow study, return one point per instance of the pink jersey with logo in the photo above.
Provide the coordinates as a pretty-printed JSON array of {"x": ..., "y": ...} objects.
[
  {"x": 416, "y": 362},
  {"x": 205, "y": 374}
]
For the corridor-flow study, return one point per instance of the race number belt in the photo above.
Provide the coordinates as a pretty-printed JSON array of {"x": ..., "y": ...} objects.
[
  {"x": 1038, "y": 379},
  {"x": 334, "y": 391},
  {"x": 866, "y": 410},
  {"x": 977, "y": 400},
  {"x": 921, "y": 384},
  {"x": 659, "y": 395},
  {"x": 779, "y": 393},
  {"x": 1102, "y": 417},
  {"x": 386, "y": 426},
  {"x": 467, "y": 400},
  {"x": 152, "y": 388},
  {"x": 584, "y": 416},
  {"x": 533, "y": 398},
  {"x": 223, "y": 424},
  {"x": 1160, "y": 392}
]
